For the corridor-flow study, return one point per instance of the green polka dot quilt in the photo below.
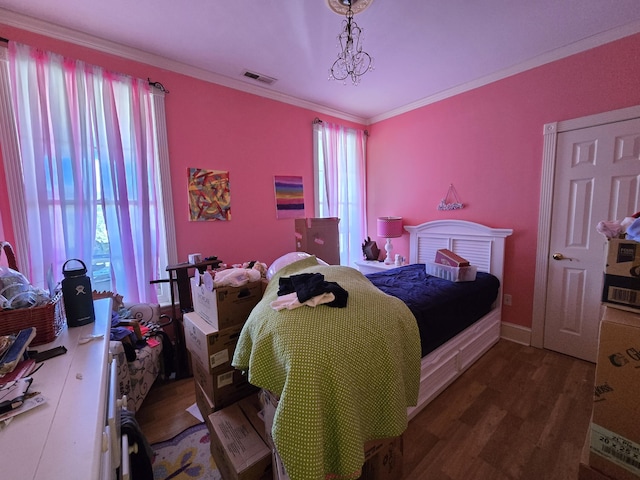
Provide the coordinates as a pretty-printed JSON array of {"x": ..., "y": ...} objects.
[{"x": 344, "y": 376}]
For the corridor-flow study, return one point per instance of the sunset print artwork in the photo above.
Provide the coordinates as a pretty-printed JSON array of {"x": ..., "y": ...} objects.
[{"x": 289, "y": 197}]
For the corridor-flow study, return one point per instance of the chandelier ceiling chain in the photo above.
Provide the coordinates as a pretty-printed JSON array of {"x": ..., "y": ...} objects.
[{"x": 352, "y": 61}]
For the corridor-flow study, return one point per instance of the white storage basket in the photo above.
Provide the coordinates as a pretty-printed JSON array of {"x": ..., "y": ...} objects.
[{"x": 454, "y": 274}]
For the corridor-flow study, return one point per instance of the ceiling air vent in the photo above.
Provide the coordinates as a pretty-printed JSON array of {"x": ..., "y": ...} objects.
[{"x": 258, "y": 77}]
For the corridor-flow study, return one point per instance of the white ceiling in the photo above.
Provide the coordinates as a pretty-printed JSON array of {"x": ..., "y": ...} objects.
[{"x": 423, "y": 49}]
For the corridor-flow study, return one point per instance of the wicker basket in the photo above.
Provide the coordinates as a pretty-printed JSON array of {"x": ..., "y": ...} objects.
[{"x": 48, "y": 319}]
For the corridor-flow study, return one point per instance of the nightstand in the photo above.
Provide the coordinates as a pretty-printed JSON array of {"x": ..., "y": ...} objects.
[{"x": 373, "y": 266}]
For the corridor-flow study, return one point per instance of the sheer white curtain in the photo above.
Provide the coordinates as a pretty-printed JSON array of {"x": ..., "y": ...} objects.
[
  {"x": 340, "y": 156},
  {"x": 87, "y": 168}
]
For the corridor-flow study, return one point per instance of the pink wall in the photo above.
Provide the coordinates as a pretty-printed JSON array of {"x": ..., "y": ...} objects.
[
  {"x": 214, "y": 127},
  {"x": 488, "y": 143}
]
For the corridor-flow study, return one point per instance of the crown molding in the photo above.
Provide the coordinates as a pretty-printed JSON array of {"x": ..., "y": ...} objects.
[
  {"x": 558, "y": 54},
  {"x": 41, "y": 27},
  {"x": 72, "y": 36}
]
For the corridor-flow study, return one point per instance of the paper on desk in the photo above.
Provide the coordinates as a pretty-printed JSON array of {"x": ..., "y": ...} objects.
[{"x": 28, "y": 404}]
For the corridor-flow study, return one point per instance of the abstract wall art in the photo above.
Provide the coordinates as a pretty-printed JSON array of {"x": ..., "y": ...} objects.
[{"x": 209, "y": 195}]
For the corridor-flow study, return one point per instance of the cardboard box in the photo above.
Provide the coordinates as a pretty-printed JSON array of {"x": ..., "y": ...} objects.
[
  {"x": 382, "y": 461},
  {"x": 236, "y": 447},
  {"x": 622, "y": 273},
  {"x": 225, "y": 307},
  {"x": 252, "y": 408},
  {"x": 615, "y": 424},
  {"x": 223, "y": 388},
  {"x": 269, "y": 404},
  {"x": 319, "y": 237},
  {"x": 383, "y": 457},
  {"x": 447, "y": 257},
  {"x": 212, "y": 347},
  {"x": 623, "y": 258},
  {"x": 279, "y": 472},
  {"x": 204, "y": 403},
  {"x": 586, "y": 471}
]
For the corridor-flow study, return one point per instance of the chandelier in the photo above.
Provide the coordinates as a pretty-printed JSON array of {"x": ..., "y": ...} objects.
[{"x": 352, "y": 61}]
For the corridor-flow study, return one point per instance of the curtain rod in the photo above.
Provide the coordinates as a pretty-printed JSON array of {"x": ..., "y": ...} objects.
[
  {"x": 317, "y": 120},
  {"x": 158, "y": 85}
]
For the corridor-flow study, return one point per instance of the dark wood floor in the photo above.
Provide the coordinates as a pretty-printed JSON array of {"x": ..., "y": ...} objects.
[
  {"x": 163, "y": 414},
  {"x": 518, "y": 413}
]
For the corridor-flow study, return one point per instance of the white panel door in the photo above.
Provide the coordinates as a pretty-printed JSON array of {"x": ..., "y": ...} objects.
[{"x": 597, "y": 178}]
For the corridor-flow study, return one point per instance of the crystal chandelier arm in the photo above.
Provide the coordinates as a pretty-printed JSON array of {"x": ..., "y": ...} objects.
[{"x": 352, "y": 61}]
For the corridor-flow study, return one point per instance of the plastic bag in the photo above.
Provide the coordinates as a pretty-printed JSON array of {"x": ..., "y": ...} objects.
[{"x": 17, "y": 292}]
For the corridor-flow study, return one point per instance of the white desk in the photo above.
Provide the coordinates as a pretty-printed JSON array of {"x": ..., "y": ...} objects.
[
  {"x": 64, "y": 437},
  {"x": 373, "y": 266}
]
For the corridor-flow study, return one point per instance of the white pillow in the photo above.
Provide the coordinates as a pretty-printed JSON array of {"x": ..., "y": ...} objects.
[{"x": 288, "y": 259}]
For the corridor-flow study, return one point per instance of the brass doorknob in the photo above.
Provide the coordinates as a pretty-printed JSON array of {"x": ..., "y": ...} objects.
[{"x": 557, "y": 256}]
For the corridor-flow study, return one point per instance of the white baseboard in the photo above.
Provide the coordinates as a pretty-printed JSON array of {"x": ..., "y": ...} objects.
[{"x": 515, "y": 333}]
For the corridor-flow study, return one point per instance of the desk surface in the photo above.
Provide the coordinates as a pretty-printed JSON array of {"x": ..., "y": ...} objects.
[
  {"x": 199, "y": 265},
  {"x": 63, "y": 438}
]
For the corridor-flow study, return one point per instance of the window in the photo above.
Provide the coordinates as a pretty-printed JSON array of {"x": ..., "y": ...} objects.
[
  {"x": 85, "y": 173},
  {"x": 340, "y": 179}
]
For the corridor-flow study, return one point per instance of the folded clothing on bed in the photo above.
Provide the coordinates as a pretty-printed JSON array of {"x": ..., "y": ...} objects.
[
  {"x": 344, "y": 375},
  {"x": 442, "y": 308},
  {"x": 309, "y": 285}
]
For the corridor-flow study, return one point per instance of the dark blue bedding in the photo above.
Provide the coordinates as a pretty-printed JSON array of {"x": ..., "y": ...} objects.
[{"x": 442, "y": 308}]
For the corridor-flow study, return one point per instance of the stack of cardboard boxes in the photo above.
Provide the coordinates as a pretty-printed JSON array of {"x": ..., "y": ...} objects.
[
  {"x": 612, "y": 450},
  {"x": 238, "y": 416},
  {"x": 227, "y": 401}
]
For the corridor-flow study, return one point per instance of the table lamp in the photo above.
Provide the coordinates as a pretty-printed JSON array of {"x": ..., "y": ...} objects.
[{"x": 389, "y": 227}]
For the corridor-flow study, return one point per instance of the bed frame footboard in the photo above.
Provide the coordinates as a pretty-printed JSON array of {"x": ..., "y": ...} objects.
[
  {"x": 484, "y": 247},
  {"x": 444, "y": 365}
]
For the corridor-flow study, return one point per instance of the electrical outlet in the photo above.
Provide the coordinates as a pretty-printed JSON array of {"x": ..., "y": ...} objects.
[{"x": 506, "y": 299}]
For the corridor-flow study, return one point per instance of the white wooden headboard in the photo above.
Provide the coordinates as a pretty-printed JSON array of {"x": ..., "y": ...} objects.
[{"x": 483, "y": 246}]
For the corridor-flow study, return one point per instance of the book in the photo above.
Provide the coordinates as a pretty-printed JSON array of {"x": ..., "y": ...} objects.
[
  {"x": 14, "y": 354},
  {"x": 12, "y": 395},
  {"x": 31, "y": 400},
  {"x": 23, "y": 369},
  {"x": 5, "y": 342}
]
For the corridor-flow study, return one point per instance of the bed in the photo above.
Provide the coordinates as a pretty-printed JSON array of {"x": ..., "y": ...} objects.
[
  {"x": 484, "y": 247},
  {"x": 345, "y": 376}
]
